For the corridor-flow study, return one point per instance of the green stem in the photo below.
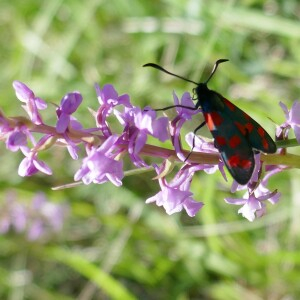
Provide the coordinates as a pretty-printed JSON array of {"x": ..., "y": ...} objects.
[
  {"x": 289, "y": 160},
  {"x": 287, "y": 143}
]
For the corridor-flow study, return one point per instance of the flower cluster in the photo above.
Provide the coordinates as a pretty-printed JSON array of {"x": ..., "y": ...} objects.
[
  {"x": 36, "y": 219},
  {"x": 106, "y": 148}
]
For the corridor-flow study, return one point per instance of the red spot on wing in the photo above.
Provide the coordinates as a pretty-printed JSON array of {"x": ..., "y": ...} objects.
[
  {"x": 213, "y": 120},
  {"x": 230, "y": 105},
  {"x": 234, "y": 141},
  {"x": 265, "y": 144},
  {"x": 244, "y": 129},
  {"x": 220, "y": 141},
  {"x": 246, "y": 116},
  {"x": 246, "y": 163},
  {"x": 261, "y": 131},
  {"x": 209, "y": 121},
  {"x": 235, "y": 161},
  {"x": 249, "y": 126},
  {"x": 240, "y": 127},
  {"x": 216, "y": 118}
]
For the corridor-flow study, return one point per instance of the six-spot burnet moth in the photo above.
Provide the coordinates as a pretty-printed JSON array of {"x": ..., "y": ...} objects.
[{"x": 236, "y": 135}]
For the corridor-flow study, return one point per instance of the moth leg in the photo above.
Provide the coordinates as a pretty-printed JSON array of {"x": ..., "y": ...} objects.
[
  {"x": 193, "y": 144},
  {"x": 173, "y": 106}
]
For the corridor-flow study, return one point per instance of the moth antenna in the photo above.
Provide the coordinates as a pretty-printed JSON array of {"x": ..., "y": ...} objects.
[
  {"x": 219, "y": 61},
  {"x": 155, "y": 66}
]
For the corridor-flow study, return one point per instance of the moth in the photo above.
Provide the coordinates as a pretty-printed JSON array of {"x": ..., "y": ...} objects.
[{"x": 236, "y": 135}]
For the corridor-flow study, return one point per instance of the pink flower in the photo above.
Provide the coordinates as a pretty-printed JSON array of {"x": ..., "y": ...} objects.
[
  {"x": 292, "y": 120},
  {"x": 32, "y": 104},
  {"x": 175, "y": 195},
  {"x": 101, "y": 166}
]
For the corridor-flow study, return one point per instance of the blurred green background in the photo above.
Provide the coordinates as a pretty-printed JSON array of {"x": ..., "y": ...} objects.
[{"x": 113, "y": 245}]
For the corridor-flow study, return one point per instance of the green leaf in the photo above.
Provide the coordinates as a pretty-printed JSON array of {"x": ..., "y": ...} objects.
[{"x": 104, "y": 281}]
